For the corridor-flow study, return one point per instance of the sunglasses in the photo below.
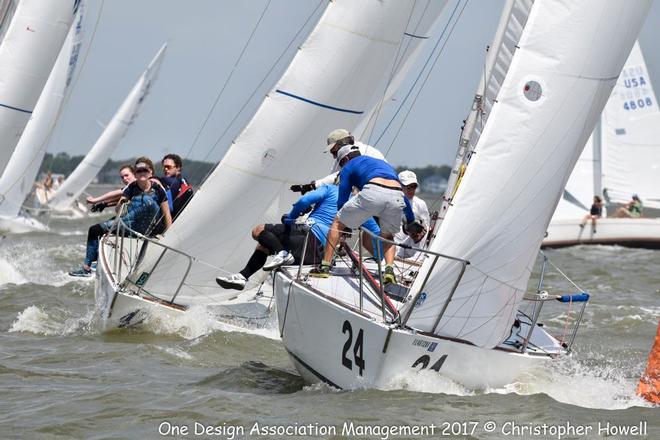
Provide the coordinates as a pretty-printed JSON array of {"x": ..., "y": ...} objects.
[
  {"x": 168, "y": 167},
  {"x": 142, "y": 170}
]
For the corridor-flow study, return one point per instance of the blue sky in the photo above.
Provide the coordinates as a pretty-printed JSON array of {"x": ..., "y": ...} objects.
[{"x": 206, "y": 39}]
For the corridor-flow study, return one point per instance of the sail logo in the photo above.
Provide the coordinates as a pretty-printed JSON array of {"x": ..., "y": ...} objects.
[
  {"x": 634, "y": 82},
  {"x": 430, "y": 346},
  {"x": 421, "y": 299}
]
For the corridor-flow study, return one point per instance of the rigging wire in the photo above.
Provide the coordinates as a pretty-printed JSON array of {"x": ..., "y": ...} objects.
[
  {"x": 397, "y": 62},
  {"x": 428, "y": 73},
  {"x": 231, "y": 74},
  {"x": 256, "y": 89},
  {"x": 421, "y": 72}
]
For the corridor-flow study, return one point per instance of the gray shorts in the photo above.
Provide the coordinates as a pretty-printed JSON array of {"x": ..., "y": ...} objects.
[{"x": 374, "y": 201}]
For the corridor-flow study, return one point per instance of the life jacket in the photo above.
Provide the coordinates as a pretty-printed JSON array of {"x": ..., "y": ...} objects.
[
  {"x": 142, "y": 211},
  {"x": 182, "y": 198}
]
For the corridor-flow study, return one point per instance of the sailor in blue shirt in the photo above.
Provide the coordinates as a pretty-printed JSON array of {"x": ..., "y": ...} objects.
[
  {"x": 380, "y": 195},
  {"x": 287, "y": 240}
]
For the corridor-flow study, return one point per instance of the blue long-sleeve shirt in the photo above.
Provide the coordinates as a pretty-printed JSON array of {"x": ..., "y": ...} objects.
[
  {"x": 324, "y": 200},
  {"x": 359, "y": 171}
]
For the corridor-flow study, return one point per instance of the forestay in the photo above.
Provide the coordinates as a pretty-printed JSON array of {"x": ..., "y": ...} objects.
[
  {"x": 86, "y": 170},
  {"x": 631, "y": 136},
  {"x": 336, "y": 77},
  {"x": 27, "y": 54},
  {"x": 22, "y": 169},
  {"x": 569, "y": 57}
]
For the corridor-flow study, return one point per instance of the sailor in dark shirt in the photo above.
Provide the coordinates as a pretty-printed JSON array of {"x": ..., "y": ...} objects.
[{"x": 177, "y": 188}]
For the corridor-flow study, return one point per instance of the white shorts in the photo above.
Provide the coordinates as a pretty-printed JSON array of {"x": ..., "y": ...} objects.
[{"x": 374, "y": 201}]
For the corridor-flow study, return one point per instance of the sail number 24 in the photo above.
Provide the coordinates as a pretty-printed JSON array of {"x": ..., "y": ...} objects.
[{"x": 357, "y": 348}]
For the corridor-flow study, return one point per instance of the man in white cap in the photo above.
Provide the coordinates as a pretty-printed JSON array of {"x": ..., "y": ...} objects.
[
  {"x": 337, "y": 139},
  {"x": 409, "y": 185}
]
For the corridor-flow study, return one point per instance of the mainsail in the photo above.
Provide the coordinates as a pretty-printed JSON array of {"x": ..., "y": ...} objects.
[
  {"x": 622, "y": 156},
  {"x": 630, "y": 136},
  {"x": 334, "y": 80},
  {"x": 22, "y": 169},
  {"x": 567, "y": 61},
  {"x": 85, "y": 172},
  {"x": 27, "y": 54}
]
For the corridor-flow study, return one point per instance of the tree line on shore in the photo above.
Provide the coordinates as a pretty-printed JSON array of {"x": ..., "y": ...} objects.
[{"x": 194, "y": 170}]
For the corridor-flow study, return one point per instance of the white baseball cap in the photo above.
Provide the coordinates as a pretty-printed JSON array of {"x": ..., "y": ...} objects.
[
  {"x": 346, "y": 150},
  {"x": 407, "y": 177}
]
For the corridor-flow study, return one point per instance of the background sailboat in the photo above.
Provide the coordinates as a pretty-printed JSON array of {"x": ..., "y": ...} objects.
[
  {"x": 28, "y": 52},
  {"x": 63, "y": 199},
  {"x": 621, "y": 158},
  {"x": 18, "y": 178}
]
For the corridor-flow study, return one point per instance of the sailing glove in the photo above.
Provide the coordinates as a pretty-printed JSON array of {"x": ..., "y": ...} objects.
[
  {"x": 302, "y": 189},
  {"x": 98, "y": 207},
  {"x": 413, "y": 228}
]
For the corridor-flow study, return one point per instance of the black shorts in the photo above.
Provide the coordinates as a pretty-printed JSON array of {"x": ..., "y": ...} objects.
[{"x": 293, "y": 240}]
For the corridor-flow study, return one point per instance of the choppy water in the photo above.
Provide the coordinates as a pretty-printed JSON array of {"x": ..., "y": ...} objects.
[{"x": 62, "y": 378}]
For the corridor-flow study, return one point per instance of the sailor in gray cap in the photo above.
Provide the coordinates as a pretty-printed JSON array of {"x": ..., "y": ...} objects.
[{"x": 337, "y": 139}]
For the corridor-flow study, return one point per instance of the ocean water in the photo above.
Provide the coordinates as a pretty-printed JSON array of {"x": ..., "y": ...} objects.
[{"x": 61, "y": 377}]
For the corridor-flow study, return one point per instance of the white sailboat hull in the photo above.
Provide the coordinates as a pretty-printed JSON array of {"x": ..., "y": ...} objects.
[
  {"x": 631, "y": 232},
  {"x": 315, "y": 332},
  {"x": 116, "y": 308},
  {"x": 119, "y": 307},
  {"x": 21, "y": 225}
]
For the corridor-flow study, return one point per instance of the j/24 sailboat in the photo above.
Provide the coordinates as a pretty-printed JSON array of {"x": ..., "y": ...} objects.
[{"x": 462, "y": 313}]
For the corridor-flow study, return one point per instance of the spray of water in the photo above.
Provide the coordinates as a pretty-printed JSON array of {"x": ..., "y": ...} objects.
[{"x": 54, "y": 322}]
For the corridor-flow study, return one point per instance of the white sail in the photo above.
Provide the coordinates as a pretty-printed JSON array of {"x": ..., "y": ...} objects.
[
  {"x": 22, "y": 169},
  {"x": 631, "y": 136},
  {"x": 629, "y": 159},
  {"x": 85, "y": 172},
  {"x": 27, "y": 54},
  {"x": 567, "y": 62},
  {"x": 336, "y": 77}
]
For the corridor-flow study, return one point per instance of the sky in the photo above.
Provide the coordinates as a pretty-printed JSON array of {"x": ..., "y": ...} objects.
[{"x": 208, "y": 59}]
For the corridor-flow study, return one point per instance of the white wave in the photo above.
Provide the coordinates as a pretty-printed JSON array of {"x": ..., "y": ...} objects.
[
  {"x": 568, "y": 381},
  {"x": 176, "y": 352},
  {"x": 196, "y": 322},
  {"x": 587, "y": 386},
  {"x": 36, "y": 320},
  {"x": 32, "y": 262},
  {"x": 9, "y": 274},
  {"x": 428, "y": 382}
]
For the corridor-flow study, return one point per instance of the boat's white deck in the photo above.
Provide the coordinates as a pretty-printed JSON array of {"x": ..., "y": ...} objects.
[{"x": 344, "y": 286}]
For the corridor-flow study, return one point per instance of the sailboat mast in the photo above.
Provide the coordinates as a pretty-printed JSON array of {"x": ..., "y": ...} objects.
[
  {"x": 512, "y": 21},
  {"x": 597, "y": 143}
]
